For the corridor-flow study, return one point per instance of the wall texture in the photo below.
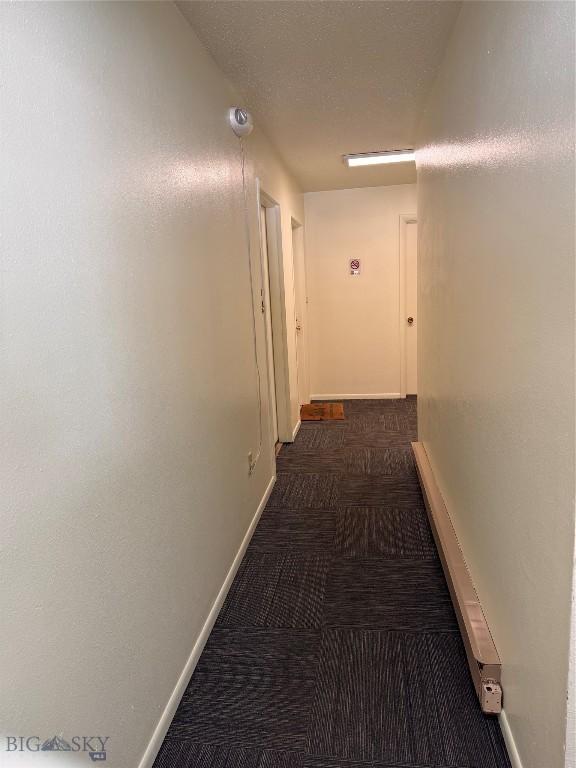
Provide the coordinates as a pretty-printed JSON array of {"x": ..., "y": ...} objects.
[
  {"x": 128, "y": 380},
  {"x": 354, "y": 321},
  {"x": 496, "y": 347}
]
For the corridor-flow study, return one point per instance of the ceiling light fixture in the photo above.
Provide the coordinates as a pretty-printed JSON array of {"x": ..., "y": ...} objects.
[{"x": 380, "y": 158}]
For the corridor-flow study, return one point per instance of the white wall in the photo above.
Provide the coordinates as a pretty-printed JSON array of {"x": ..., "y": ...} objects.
[
  {"x": 128, "y": 379},
  {"x": 496, "y": 346},
  {"x": 354, "y": 321}
]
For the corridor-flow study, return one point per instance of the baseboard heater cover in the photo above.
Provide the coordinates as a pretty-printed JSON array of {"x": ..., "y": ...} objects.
[{"x": 483, "y": 659}]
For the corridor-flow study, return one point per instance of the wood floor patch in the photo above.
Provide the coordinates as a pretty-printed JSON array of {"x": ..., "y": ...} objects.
[{"x": 322, "y": 412}]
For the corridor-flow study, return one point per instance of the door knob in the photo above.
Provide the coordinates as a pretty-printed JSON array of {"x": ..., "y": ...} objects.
[
  {"x": 298, "y": 328},
  {"x": 410, "y": 320}
]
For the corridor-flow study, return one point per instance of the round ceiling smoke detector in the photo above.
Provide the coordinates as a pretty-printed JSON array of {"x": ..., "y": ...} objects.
[{"x": 240, "y": 121}]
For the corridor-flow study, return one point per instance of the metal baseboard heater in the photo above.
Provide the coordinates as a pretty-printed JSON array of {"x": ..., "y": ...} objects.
[{"x": 483, "y": 659}]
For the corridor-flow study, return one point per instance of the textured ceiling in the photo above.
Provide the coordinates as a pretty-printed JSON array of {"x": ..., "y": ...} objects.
[{"x": 327, "y": 78}]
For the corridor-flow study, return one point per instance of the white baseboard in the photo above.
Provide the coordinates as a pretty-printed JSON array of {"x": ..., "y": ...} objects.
[
  {"x": 509, "y": 740},
  {"x": 372, "y": 396},
  {"x": 166, "y": 718},
  {"x": 296, "y": 430}
]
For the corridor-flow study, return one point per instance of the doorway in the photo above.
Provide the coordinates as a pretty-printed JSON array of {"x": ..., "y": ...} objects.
[
  {"x": 277, "y": 303},
  {"x": 267, "y": 309},
  {"x": 409, "y": 304},
  {"x": 301, "y": 316}
]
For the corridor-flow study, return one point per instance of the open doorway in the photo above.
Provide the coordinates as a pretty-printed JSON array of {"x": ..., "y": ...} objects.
[
  {"x": 273, "y": 306},
  {"x": 267, "y": 310}
]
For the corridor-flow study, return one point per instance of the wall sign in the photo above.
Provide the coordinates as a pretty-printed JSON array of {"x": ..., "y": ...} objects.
[{"x": 354, "y": 266}]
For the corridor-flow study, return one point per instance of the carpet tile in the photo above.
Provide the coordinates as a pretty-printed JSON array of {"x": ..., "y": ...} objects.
[
  {"x": 314, "y": 491},
  {"x": 382, "y": 593},
  {"x": 379, "y": 490},
  {"x": 376, "y": 437},
  {"x": 276, "y": 590},
  {"x": 251, "y": 688},
  {"x": 299, "y": 530},
  {"x": 393, "y": 462},
  {"x": 389, "y": 422},
  {"x": 191, "y": 755},
  {"x": 319, "y": 437},
  {"x": 399, "y": 699},
  {"x": 388, "y": 531},
  {"x": 293, "y": 459}
]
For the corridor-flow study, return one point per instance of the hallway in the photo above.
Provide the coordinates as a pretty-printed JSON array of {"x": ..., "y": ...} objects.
[
  {"x": 213, "y": 214},
  {"x": 337, "y": 646}
]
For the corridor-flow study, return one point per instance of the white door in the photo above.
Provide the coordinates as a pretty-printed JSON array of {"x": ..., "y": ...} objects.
[
  {"x": 300, "y": 299},
  {"x": 268, "y": 322},
  {"x": 411, "y": 308}
]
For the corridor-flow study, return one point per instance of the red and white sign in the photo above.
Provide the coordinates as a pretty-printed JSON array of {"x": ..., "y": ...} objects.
[{"x": 354, "y": 266}]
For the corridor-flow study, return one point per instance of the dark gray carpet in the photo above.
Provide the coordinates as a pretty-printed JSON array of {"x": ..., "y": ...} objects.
[{"x": 337, "y": 646}]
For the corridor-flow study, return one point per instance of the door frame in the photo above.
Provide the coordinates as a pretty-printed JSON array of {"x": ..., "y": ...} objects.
[
  {"x": 277, "y": 311},
  {"x": 405, "y": 219}
]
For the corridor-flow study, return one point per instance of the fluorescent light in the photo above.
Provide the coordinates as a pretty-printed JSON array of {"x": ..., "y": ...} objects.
[{"x": 380, "y": 158}]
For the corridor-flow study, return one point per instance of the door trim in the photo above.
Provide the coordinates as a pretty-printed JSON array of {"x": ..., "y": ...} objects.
[
  {"x": 277, "y": 311},
  {"x": 405, "y": 219}
]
